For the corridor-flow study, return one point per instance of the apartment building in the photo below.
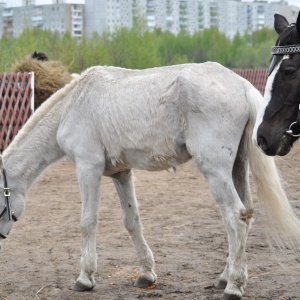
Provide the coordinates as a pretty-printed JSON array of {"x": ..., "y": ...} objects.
[
  {"x": 107, "y": 15},
  {"x": 230, "y": 16},
  {"x": 58, "y": 17}
]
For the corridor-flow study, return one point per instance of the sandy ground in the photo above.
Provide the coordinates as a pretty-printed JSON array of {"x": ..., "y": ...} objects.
[{"x": 182, "y": 225}]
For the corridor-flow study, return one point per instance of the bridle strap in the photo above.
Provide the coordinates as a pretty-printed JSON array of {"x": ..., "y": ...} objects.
[
  {"x": 287, "y": 49},
  {"x": 7, "y": 208},
  {"x": 282, "y": 50},
  {"x": 6, "y": 194},
  {"x": 278, "y": 51},
  {"x": 3, "y": 236}
]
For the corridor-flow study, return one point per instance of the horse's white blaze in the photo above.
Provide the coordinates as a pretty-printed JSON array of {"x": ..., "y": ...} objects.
[{"x": 267, "y": 99}]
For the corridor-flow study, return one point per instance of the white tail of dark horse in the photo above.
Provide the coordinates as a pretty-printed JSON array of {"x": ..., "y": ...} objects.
[{"x": 110, "y": 120}]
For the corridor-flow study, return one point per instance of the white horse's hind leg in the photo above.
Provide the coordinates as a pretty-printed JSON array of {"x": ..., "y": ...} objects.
[
  {"x": 125, "y": 189},
  {"x": 232, "y": 211},
  {"x": 215, "y": 158},
  {"x": 89, "y": 176},
  {"x": 240, "y": 174}
]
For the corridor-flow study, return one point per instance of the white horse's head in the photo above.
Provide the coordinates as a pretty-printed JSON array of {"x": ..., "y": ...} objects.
[{"x": 12, "y": 203}]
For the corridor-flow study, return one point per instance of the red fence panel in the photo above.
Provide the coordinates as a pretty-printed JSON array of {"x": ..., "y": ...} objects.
[
  {"x": 16, "y": 104},
  {"x": 258, "y": 77}
]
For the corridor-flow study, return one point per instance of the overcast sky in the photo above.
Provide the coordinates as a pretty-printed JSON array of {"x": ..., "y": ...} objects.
[{"x": 11, "y": 3}]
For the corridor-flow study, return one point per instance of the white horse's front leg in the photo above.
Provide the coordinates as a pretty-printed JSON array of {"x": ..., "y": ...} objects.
[
  {"x": 89, "y": 181},
  {"x": 131, "y": 218}
]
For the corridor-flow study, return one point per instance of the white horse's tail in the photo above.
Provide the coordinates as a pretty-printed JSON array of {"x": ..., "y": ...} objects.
[{"x": 279, "y": 219}]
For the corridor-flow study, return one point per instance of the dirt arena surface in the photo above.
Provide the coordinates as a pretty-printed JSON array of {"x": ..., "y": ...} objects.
[{"x": 182, "y": 225}]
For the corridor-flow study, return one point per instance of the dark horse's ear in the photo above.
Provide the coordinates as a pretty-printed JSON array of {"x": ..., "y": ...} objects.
[
  {"x": 280, "y": 23},
  {"x": 298, "y": 24}
]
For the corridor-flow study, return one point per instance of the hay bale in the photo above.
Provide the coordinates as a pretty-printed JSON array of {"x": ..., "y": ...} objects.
[{"x": 49, "y": 76}]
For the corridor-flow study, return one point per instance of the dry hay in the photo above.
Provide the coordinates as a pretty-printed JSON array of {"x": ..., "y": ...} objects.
[{"x": 49, "y": 76}]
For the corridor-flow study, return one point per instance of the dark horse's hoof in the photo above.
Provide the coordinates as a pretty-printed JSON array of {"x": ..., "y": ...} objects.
[
  {"x": 231, "y": 297},
  {"x": 221, "y": 285},
  {"x": 143, "y": 282}
]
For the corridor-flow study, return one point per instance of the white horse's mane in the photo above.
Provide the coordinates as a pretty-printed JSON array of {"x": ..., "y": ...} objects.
[{"x": 48, "y": 105}]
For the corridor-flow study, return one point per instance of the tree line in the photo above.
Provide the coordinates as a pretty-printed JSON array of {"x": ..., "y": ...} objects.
[{"x": 137, "y": 48}]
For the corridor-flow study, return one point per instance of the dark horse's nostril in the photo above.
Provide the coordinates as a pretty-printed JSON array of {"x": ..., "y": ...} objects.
[{"x": 262, "y": 142}]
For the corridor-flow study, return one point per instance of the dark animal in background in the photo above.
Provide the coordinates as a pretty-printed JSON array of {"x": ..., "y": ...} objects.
[{"x": 39, "y": 56}]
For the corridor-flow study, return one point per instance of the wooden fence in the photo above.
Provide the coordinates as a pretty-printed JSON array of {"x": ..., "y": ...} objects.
[
  {"x": 16, "y": 104},
  {"x": 258, "y": 77}
]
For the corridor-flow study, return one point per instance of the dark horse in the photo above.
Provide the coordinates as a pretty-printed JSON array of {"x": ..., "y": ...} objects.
[{"x": 278, "y": 125}]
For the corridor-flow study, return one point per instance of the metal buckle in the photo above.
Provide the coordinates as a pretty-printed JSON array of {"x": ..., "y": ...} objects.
[
  {"x": 6, "y": 192},
  {"x": 290, "y": 130}
]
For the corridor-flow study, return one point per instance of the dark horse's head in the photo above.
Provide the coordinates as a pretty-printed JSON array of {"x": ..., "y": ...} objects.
[
  {"x": 39, "y": 56},
  {"x": 277, "y": 127}
]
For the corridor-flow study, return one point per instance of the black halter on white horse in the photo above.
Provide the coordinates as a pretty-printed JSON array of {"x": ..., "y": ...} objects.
[{"x": 7, "y": 209}]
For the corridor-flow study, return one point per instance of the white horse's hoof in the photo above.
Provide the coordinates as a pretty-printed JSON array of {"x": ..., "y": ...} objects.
[
  {"x": 231, "y": 297},
  {"x": 233, "y": 292},
  {"x": 83, "y": 285},
  {"x": 145, "y": 280}
]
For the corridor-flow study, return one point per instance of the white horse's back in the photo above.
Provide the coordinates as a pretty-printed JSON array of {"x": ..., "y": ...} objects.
[{"x": 142, "y": 117}]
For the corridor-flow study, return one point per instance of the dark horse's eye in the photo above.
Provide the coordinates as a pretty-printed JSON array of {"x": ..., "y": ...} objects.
[{"x": 289, "y": 71}]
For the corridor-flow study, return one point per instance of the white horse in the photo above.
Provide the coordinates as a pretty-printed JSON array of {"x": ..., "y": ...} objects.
[{"x": 110, "y": 120}]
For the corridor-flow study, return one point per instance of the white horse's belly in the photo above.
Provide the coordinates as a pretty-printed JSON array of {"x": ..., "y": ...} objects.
[{"x": 146, "y": 160}]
